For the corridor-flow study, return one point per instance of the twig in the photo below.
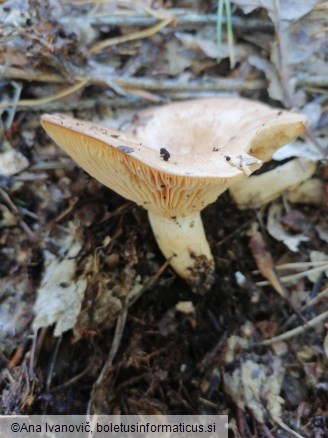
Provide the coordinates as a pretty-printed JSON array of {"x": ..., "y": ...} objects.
[
  {"x": 288, "y": 278},
  {"x": 120, "y": 324},
  {"x": 232, "y": 56},
  {"x": 315, "y": 300},
  {"x": 11, "y": 114},
  {"x": 53, "y": 362},
  {"x": 74, "y": 379},
  {"x": 294, "y": 266},
  {"x": 282, "y": 67},
  {"x": 30, "y": 75},
  {"x": 287, "y": 428},
  {"x": 294, "y": 332},
  {"x": 15, "y": 210},
  {"x": 182, "y": 17},
  {"x": 98, "y": 47},
  {"x": 219, "y": 29},
  {"x": 172, "y": 89},
  {"x": 37, "y": 341},
  {"x": 310, "y": 303},
  {"x": 150, "y": 283},
  {"x": 302, "y": 80},
  {"x": 225, "y": 84},
  {"x": 306, "y": 80},
  {"x": 31, "y": 102}
]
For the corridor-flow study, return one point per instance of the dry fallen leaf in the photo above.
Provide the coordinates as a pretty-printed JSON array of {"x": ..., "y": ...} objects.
[
  {"x": 290, "y": 10},
  {"x": 302, "y": 149},
  {"x": 276, "y": 229},
  {"x": 209, "y": 46},
  {"x": 15, "y": 306},
  {"x": 264, "y": 262},
  {"x": 12, "y": 162},
  {"x": 253, "y": 385},
  {"x": 274, "y": 88},
  {"x": 60, "y": 294}
]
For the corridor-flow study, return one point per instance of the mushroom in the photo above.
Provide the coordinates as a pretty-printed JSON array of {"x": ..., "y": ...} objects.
[
  {"x": 261, "y": 189},
  {"x": 176, "y": 159}
]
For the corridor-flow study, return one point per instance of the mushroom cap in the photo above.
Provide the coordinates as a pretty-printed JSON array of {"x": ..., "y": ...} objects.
[{"x": 211, "y": 144}]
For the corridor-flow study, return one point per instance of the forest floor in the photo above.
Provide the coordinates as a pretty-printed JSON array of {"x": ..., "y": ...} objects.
[{"x": 92, "y": 317}]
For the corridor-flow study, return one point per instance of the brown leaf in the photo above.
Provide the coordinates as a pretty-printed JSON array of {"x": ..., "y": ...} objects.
[{"x": 264, "y": 262}]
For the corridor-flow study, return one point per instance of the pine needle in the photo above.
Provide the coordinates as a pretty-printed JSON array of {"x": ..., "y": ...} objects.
[{"x": 219, "y": 25}]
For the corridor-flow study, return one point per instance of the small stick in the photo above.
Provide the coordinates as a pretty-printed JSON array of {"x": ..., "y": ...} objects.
[
  {"x": 150, "y": 283},
  {"x": 31, "y": 102},
  {"x": 294, "y": 332},
  {"x": 182, "y": 17},
  {"x": 73, "y": 379},
  {"x": 310, "y": 303},
  {"x": 98, "y": 47},
  {"x": 294, "y": 266},
  {"x": 53, "y": 362},
  {"x": 120, "y": 324},
  {"x": 296, "y": 276},
  {"x": 17, "y": 213}
]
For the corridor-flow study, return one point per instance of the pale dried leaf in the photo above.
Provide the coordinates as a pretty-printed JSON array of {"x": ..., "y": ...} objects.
[
  {"x": 60, "y": 295},
  {"x": 290, "y": 10},
  {"x": 12, "y": 162},
  {"x": 257, "y": 387},
  {"x": 177, "y": 58},
  {"x": 15, "y": 308},
  {"x": 302, "y": 149},
  {"x": 277, "y": 231},
  {"x": 209, "y": 46},
  {"x": 274, "y": 89},
  {"x": 312, "y": 111}
]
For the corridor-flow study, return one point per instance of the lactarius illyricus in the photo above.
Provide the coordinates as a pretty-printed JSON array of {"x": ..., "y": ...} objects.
[{"x": 176, "y": 159}]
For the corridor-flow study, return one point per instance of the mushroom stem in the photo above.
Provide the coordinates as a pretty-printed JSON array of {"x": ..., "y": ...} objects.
[{"x": 183, "y": 239}]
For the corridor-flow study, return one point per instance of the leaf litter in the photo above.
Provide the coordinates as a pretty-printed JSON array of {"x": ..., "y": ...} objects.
[{"x": 85, "y": 260}]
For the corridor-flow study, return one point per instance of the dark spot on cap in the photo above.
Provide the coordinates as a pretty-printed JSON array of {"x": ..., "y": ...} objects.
[
  {"x": 64, "y": 284},
  {"x": 227, "y": 158},
  {"x": 215, "y": 149},
  {"x": 114, "y": 136},
  {"x": 125, "y": 149},
  {"x": 279, "y": 113},
  {"x": 165, "y": 154}
]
